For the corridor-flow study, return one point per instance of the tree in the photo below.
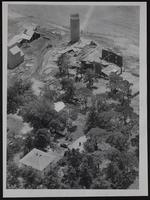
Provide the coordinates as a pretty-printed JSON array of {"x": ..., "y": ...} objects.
[
  {"x": 13, "y": 101},
  {"x": 85, "y": 175},
  {"x": 114, "y": 80},
  {"x": 119, "y": 88},
  {"x": 92, "y": 119},
  {"x": 73, "y": 158},
  {"x": 39, "y": 139},
  {"x": 29, "y": 142},
  {"x": 91, "y": 145},
  {"x": 126, "y": 110},
  {"x": 83, "y": 94},
  {"x": 42, "y": 139},
  {"x": 68, "y": 86},
  {"x": 31, "y": 179},
  {"x": 14, "y": 145},
  {"x": 39, "y": 113},
  {"x": 12, "y": 175},
  {"x": 64, "y": 63},
  {"x": 118, "y": 140},
  {"x": 120, "y": 179},
  {"x": 18, "y": 94},
  {"x": 51, "y": 180},
  {"x": 70, "y": 177},
  {"x": 100, "y": 183},
  {"x": 58, "y": 124},
  {"x": 49, "y": 94},
  {"x": 89, "y": 78}
]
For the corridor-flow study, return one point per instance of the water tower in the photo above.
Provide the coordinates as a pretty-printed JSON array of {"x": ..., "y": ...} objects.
[{"x": 75, "y": 27}]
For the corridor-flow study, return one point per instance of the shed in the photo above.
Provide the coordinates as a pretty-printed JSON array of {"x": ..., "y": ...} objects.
[
  {"x": 58, "y": 106},
  {"x": 112, "y": 56},
  {"x": 15, "y": 57},
  {"x": 29, "y": 35},
  {"x": 110, "y": 68},
  {"x": 79, "y": 143}
]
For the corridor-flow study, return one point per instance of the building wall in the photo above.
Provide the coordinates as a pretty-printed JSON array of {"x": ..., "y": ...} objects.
[
  {"x": 112, "y": 57},
  {"x": 43, "y": 172},
  {"x": 14, "y": 60},
  {"x": 75, "y": 27}
]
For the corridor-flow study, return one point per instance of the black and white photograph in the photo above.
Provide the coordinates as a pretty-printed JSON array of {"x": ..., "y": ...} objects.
[{"x": 74, "y": 99}]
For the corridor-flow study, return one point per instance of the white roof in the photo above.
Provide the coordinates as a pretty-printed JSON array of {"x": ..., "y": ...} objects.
[
  {"x": 78, "y": 144},
  {"x": 92, "y": 56},
  {"x": 14, "y": 50},
  {"x": 72, "y": 71},
  {"x": 29, "y": 32},
  {"x": 110, "y": 68},
  {"x": 113, "y": 51},
  {"x": 59, "y": 106},
  {"x": 32, "y": 26},
  {"x": 26, "y": 37},
  {"x": 14, "y": 40},
  {"x": 38, "y": 159}
]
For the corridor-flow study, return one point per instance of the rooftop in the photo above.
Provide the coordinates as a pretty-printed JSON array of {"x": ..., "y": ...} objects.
[
  {"x": 92, "y": 56},
  {"x": 14, "y": 40},
  {"x": 110, "y": 68},
  {"x": 14, "y": 50},
  {"x": 78, "y": 144},
  {"x": 59, "y": 106},
  {"x": 38, "y": 159},
  {"x": 113, "y": 51}
]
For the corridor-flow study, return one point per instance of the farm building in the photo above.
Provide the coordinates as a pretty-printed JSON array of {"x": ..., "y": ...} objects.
[
  {"x": 109, "y": 69},
  {"x": 94, "y": 66},
  {"x": 38, "y": 160},
  {"x": 29, "y": 35},
  {"x": 102, "y": 66},
  {"x": 113, "y": 57},
  {"x": 15, "y": 57}
]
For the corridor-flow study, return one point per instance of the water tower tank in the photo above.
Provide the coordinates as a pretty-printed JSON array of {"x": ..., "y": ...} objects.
[{"x": 75, "y": 27}]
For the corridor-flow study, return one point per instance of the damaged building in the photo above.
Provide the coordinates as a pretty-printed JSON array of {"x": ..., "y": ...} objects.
[
  {"x": 112, "y": 57},
  {"x": 29, "y": 35},
  {"x": 79, "y": 57}
]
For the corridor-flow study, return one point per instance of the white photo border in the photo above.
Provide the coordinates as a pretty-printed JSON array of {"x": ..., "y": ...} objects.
[{"x": 143, "y": 164}]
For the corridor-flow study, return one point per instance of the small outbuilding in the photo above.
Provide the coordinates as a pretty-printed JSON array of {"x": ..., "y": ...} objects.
[
  {"x": 29, "y": 35},
  {"x": 15, "y": 57},
  {"x": 113, "y": 57},
  {"x": 58, "y": 106},
  {"x": 109, "y": 69}
]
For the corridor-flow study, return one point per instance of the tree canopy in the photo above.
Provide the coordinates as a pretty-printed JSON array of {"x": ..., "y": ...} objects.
[{"x": 18, "y": 94}]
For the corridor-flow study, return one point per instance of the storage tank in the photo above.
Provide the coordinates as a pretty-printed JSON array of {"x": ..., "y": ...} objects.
[{"x": 75, "y": 27}]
